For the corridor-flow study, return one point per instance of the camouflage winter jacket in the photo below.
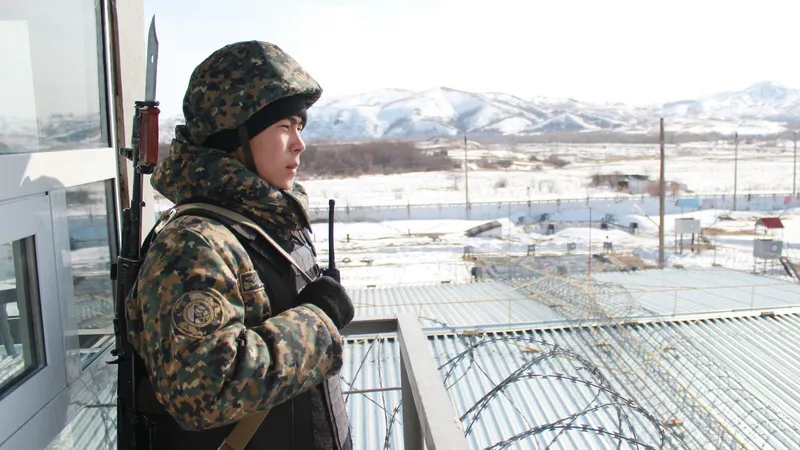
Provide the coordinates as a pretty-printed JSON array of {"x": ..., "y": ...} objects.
[{"x": 197, "y": 284}]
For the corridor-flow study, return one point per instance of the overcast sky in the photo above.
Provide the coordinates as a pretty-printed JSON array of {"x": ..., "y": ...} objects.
[{"x": 629, "y": 51}]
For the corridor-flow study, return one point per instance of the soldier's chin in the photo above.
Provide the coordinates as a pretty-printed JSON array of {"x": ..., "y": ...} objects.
[{"x": 287, "y": 184}]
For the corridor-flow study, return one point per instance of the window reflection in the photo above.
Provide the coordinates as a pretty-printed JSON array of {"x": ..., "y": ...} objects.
[
  {"x": 22, "y": 349},
  {"x": 52, "y": 76},
  {"x": 90, "y": 253}
]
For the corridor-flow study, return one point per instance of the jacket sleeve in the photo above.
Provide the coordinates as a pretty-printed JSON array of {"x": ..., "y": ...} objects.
[{"x": 206, "y": 367}]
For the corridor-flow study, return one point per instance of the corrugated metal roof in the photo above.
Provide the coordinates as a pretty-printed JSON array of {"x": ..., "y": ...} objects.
[
  {"x": 484, "y": 303},
  {"x": 739, "y": 371},
  {"x": 373, "y": 364},
  {"x": 550, "y": 299},
  {"x": 686, "y": 291},
  {"x": 759, "y": 402},
  {"x": 737, "y": 374}
]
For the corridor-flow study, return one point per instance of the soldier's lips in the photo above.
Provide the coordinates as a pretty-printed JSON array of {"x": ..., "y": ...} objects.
[{"x": 293, "y": 167}]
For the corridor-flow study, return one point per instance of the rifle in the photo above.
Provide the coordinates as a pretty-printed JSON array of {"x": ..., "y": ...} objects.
[
  {"x": 144, "y": 155},
  {"x": 331, "y": 271}
]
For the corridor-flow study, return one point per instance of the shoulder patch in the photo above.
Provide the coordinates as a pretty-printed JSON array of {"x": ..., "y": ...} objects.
[
  {"x": 198, "y": 313},
  {"x": 251, "y": 281}
]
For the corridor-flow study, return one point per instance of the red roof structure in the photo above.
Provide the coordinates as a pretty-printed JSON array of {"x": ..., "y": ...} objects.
[{"x": 770, "y": 222}]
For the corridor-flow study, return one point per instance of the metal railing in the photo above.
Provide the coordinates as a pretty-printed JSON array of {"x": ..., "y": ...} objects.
[
  {"x": 503, "y": 208},
  {"x": 567, "y": 200},
  {"x": 429, "y": 420}
]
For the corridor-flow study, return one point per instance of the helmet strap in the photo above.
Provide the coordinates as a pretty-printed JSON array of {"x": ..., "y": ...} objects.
[{"x": 248, "y": 154}]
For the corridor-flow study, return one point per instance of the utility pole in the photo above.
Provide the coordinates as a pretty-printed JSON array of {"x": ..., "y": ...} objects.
[
  {"x": 592, "y": 305},
  {"x": 590, "y": 248},
  {"x": 661, "y": 201},
  {"x": 735, "y": 167},
  {"x": 794, "y": 176},
  {"x": 466, "y": 175}
]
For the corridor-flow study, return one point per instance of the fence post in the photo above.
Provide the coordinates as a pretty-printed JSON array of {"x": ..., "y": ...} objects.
[{"x": 675, "y": 306}]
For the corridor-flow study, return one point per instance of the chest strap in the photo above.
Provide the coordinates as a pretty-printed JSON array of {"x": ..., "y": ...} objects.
[{"x": 179, "y": 210}]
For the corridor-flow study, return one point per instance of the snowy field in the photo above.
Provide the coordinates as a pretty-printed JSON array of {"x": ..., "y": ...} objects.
[
  {"x": 414, "y": 252},
  {"x": 390, "y": 252},
  {"x": 704, "y": 168}
]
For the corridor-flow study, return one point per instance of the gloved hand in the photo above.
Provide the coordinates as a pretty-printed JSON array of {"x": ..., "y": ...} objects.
[{"x": 330, "y": 296}]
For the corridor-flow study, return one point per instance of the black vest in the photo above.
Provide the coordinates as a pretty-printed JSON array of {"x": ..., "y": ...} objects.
[{"x": 314, "y": 420}]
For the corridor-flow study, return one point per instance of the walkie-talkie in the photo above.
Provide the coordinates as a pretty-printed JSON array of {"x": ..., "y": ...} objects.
[{"x": 331, "y": 271}]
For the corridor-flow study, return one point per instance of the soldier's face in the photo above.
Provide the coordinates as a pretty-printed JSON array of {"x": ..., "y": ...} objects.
[{"x": 276, "y": 152}]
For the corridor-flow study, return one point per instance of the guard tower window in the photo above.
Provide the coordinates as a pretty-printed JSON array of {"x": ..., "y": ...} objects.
[{"x": 22, "y": 350}]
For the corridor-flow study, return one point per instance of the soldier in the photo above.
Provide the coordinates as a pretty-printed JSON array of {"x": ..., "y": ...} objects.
[{"x": 225, "y": 326}]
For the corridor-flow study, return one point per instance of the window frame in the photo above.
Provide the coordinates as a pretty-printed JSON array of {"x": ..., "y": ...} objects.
[
  {"x": 49, "y": 174},
  {"x": 32, "y": 217}
]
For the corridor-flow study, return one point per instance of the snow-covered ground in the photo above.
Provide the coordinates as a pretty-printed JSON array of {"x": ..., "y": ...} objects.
[
  {"x": 410, "y": 252},
  {"x": 705, "y": 168},
  {"x": 386, "y": 252}
]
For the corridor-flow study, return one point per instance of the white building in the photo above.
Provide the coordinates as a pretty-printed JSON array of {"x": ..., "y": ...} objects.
[{"x": 58, "y": 207}]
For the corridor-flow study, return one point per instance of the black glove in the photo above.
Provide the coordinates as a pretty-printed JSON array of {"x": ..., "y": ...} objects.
[{"x": 330, "y": 296}]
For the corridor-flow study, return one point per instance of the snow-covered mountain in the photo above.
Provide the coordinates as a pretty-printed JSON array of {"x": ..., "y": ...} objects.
[
  {"x": 443, "y": 111},
  {"x": 765, "y": 100},
  {"x": 763, "y": 108}
]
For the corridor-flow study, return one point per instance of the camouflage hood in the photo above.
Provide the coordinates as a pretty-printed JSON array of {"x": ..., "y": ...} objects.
[{"x": 194, "y": 173}]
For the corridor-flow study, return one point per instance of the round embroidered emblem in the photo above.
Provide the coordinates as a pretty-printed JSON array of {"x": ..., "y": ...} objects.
[{"x": 198, "y": 314}]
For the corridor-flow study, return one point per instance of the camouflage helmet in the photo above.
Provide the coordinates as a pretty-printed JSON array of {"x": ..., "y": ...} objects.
[{"x": 237, "y": 81}]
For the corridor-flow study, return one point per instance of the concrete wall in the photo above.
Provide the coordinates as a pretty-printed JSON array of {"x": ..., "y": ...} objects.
[{"x": 564, "y": 209}]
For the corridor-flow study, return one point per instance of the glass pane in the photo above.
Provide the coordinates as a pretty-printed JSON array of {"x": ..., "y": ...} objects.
[
  {"x": 22, "y": 349},
  {"x": 91, "y": 253},
  {"x": 54, "y": 60}
]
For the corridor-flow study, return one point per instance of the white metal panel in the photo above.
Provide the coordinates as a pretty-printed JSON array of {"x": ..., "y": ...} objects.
[
  {"x": 31, "y": 217},
  {"x": 23, "y": 175},
  {"x": 687, "y": 226},
  {"x": 66, "y": 289},
  {"x": 767, "y": 248}
]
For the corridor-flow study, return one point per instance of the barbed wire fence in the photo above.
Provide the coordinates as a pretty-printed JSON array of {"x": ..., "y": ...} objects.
[
  {"x": 681, "y": 384},
  {"x": 632, "y": 385},
  {"x": 537, "y": 364}
]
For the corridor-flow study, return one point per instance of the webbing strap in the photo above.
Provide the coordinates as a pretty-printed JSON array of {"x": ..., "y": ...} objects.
[
  {"x": 243, "y": 431},
  {"x": 244, "y": 221}
]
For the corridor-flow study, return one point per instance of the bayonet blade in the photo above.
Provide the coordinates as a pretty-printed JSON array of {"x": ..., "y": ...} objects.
[{"x": 152, "y": 63}]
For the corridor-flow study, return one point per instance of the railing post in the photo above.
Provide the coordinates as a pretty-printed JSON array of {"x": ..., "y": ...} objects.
[
  {"x": 429, "y": 420},
  {"x": 439, "y": 424},
  {"x": 412, "y": 431}
]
